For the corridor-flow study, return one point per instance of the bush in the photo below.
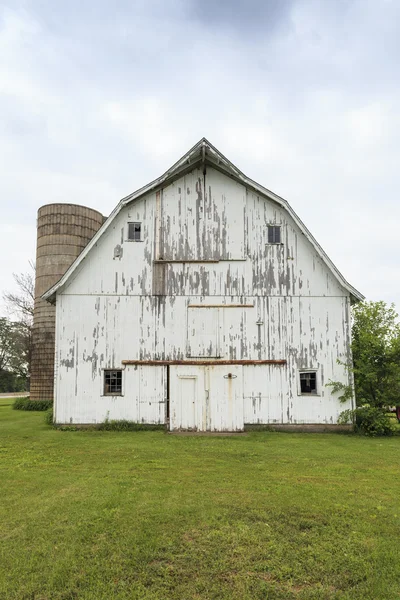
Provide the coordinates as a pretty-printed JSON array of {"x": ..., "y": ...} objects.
[
  {"x": 48, "y": 417},
  {"x": 368, "y": 420},
  {"x": 27, "y": 404},
  {"x": 107, "y": 425},
  {"x": 124, "y": 425}
]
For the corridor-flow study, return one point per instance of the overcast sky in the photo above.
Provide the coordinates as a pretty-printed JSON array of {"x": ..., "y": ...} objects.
[{"x": 97, "y": 98}]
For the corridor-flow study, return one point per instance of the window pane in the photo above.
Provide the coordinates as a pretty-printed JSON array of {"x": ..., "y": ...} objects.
[
  {"x": 308, "y": 383},
  {"x": 113, "y": 382},
  {"x": 134, "y": 231},
  {"x": 274, "y": 234}
]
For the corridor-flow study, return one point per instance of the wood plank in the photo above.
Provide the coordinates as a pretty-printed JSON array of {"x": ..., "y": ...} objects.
[
  {"x": 220, "y": 305},
  {"x": 280, "y": 362}
]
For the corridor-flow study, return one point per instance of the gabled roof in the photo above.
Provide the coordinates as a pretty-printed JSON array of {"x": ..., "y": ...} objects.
[{"x": 202, "y": 153}]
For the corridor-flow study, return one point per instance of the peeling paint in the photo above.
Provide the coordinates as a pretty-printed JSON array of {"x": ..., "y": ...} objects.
[
  {"x": 204, "y": 244},
  {"x": 118, "y": 252}
]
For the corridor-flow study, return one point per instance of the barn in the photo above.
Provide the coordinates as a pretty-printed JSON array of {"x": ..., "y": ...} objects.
[{"x": 202, "y": 303}]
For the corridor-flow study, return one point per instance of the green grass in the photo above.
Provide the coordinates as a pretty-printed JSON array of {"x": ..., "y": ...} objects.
[{"x": 104, "y": 515}]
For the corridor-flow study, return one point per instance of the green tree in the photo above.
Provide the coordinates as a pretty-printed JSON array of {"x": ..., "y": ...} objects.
[
  {"x": 376, "y": 354},
  {"x": 19, "y": 305},
  {"x": 375, "y": 368},
  {"x": 6, "y": 344},
  {"x": 13, "y": 356}
]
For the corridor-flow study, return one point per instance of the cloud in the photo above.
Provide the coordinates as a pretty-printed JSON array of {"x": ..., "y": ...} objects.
[
  {"x": 243, "y": 16},
  {"x": 97, "y": 100}
]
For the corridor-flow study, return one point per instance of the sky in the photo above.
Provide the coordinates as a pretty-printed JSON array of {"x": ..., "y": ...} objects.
[{"x": 98, "y": 98}]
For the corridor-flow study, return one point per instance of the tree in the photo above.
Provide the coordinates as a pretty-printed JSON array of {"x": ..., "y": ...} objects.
[
  {"x": 376, "y": 354},
  {"x": 13, "y": 359},
  {"x": 20, "y": 306},
  {"x": 21, "y": 303},
  {"x": 6, "y": 344},
  {"x": 376, "y": 367}
]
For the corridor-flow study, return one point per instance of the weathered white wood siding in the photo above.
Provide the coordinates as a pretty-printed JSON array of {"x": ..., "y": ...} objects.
[
  {"x": 129, "y": 300},
  {"x": 120, "y": 267}
]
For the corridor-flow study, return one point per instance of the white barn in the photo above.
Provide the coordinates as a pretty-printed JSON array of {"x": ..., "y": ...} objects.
[{"x": 202, "y": 303}]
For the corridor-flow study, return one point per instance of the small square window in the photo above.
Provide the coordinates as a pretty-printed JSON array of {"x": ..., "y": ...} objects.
[
  {"x": 135, "y": 232},
  {"x": 274, "y": 234},
  {"x": 308, "y": 382},
  {"x": 113, "y": 383}
]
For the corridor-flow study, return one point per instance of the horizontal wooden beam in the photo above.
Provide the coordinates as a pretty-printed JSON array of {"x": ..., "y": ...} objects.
[
  {"x": 220, "y": 305},
  {"x": 203, "y": 362},
  {"x": 167, "y": 261}
]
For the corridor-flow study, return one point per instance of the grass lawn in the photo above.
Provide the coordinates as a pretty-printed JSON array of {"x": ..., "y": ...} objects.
[{"x": 103, "y": 515}]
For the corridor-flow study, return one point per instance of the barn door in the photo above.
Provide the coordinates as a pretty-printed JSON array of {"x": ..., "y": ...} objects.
[
  {"x": 225, "y": 389},
  {"x": 187, "y": 398},
  {"x": 206, "y": 398}
]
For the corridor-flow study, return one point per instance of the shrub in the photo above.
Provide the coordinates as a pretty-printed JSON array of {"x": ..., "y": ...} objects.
[
  {"x": 27, "y": 404},
  {"x": 48, "y": 417},
  {"x": 368, "y": 420},
  {"x": 107, "y": 425},
  {"x": 124, "y": 425}
]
